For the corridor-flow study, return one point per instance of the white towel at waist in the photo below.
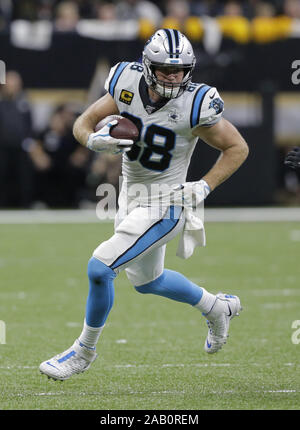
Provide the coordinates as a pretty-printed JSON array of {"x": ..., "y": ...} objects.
[{"x": 193, "y": 233}]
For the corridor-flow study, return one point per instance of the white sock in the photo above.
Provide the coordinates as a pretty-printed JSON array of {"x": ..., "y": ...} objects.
[
  {"x": 206, "y": 302},
  {"x": 90, "y": 335}
]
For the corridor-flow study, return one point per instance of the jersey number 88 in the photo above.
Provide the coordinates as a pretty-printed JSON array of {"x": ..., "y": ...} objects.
[{"x": 151, "y": 133}]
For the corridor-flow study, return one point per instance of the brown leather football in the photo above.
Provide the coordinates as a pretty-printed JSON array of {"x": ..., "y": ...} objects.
[{"x": 124, "y": 129}]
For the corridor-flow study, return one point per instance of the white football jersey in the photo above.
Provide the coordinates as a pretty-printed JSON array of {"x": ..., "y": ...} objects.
[{"x": 163, "y": 151}]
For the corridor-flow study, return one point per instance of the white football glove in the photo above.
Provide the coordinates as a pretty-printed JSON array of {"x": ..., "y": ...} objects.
[
  {"x": 101, "y": 141},
  {"x": 190, "y": 194}
]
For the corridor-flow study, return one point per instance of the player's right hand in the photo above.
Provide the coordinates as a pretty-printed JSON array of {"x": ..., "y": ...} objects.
[{"x": 101, "y": 141}]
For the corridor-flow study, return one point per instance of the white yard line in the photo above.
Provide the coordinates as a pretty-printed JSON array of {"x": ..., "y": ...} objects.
[
  {"x": 87, "y": 216},
  {"x": 100, "y": 393},
  {"x": 163, "y": 365}
]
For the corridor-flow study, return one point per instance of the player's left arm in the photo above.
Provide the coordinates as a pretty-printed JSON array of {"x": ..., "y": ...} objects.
[{"x": 234, "y": 150}]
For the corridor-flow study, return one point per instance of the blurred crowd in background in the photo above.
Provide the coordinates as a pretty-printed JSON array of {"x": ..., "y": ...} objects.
[
  {"x": 49, "y": 168},
  {"x": 269, "y": 18},
  {"x": 66, "y": 13}
]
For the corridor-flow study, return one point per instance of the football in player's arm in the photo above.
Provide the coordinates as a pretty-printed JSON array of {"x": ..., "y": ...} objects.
[{"x": 171, "y": 113}]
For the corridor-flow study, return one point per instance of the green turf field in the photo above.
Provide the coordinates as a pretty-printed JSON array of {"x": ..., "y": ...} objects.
[{"x": 151, "y": 352}]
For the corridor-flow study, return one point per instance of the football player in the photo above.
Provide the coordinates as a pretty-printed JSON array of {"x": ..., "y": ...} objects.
[
  {"x": 171, "y": 113},
  {"x": 293, "y": 158}
]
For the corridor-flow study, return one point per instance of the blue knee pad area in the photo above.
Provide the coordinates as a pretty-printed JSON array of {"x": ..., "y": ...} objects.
[
  {"x": 101, "y": 292},
  {"x": 98, "y": 271},
  {"x": 173, "y": 285}
]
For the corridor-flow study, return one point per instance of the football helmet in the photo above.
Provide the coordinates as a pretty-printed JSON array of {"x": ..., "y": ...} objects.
[{"x": 168, "y": 48}]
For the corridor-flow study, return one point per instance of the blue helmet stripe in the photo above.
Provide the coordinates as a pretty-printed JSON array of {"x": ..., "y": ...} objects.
[
  {"x": 176, "y": 35},
  {"x": 170, "y": 41}
]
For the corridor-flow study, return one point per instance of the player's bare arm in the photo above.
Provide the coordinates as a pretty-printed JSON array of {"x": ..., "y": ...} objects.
[
  {"x": 234, "y": 150},
  {"x": 86, "y": 122}
]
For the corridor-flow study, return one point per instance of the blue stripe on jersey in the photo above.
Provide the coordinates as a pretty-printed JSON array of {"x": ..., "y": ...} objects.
[
  {"x": 197, "y": 103},
  {"x": 156, "y": 232},
  {"x": 115, "y": 77}
]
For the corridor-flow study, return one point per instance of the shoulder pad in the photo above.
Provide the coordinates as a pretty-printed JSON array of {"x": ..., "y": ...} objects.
[
  {"x": 113, "y": 77},
  {"x": 207, "y": 108}
]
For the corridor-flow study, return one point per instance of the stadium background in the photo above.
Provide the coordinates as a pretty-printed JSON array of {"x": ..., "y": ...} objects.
[{"x": 62, "y": 50}]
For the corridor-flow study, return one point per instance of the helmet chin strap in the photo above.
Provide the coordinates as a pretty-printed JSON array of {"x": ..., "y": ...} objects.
[{"x": 169, "y": 92}]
